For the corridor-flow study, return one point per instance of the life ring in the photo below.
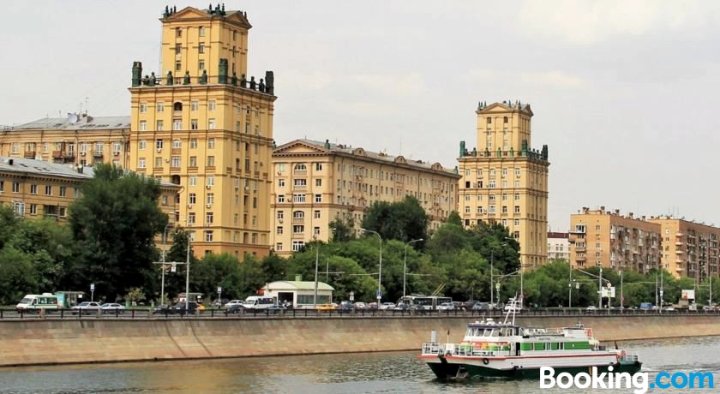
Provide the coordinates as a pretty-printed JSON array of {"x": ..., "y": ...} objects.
[{"x": 485, "y": 361}]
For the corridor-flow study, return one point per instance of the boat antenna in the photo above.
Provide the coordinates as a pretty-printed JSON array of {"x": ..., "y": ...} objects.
[{"x": 513, "y": 307}]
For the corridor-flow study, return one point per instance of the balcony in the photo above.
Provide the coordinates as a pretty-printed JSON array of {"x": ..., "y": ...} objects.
[
  {"x": 57, "y": 154},
  {"x": 29, "y": 154},
  {"x": 679, "y": 251},
  {"x": 298, "y": 220},
  {"x": 97, "y": 154}
]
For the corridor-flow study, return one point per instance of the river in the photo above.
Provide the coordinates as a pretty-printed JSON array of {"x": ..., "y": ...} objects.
[{"x": 399, "y": 372}]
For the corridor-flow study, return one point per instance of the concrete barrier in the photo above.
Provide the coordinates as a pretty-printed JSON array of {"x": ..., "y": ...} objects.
[{"x": 88, "y": 341}]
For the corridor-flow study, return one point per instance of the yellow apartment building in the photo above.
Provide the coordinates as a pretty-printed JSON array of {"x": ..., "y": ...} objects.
[
  {"x": 611, "y": 240},
  {"x": 78, "y": 139},
  {"x": 38, "y": 188},
  {"x": 202, "y": 123},
  {"x": 505, "y": 181},
  {"x": 688, "y": 248},
  {"x": 316, "y": 183}
]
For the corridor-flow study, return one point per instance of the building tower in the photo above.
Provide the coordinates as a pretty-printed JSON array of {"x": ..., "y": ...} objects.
[
  {"x": 203, "y": 124},
  {"x": 505, "y": 181}
]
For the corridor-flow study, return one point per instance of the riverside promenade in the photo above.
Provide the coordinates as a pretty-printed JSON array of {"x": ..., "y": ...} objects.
[{"x": 96, "y": 340}]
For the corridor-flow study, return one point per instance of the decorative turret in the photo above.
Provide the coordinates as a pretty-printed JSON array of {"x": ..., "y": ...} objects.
[
  {"x": 270, "y": 82},
  {"x": 136, "y": 73},
  {"x": 463, "y": 152}
]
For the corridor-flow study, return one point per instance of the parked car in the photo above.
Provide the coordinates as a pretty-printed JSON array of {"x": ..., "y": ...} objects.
[
  {"x": 360, "y": 306},
  {"x": 591, "y": 308},
  {"x": 481, "y": 306},
  {"x": 86, "y": 307},
  {"x": 446, "y": 306},
  {"x": 326, "y": 307},
  {"x": 387, "y": 305},
  {"x": 402, "y": 307},
  {"x": 346, "y": 306},
  {"x": 112, "y": 307},
  {"x": 235, "y": 308},
  {"x": 179, "y": 308},
  {"x": 232, "y": 303}
]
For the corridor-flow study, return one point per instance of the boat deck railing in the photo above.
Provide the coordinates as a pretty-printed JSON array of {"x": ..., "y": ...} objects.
[{"x": 460, "y": 350}]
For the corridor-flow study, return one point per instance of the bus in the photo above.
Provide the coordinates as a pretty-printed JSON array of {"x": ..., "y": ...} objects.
[{"x": 424, "y": 302}]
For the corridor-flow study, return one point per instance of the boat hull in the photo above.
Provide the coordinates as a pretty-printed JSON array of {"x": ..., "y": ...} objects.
[{"x": 455, "y": 371}]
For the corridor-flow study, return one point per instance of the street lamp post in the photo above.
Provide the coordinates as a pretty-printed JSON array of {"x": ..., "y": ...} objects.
[
  {"x": 379, "y": 289},
  {"x": 317, "y": 258},
  {"x": 522, "y": 294},
  {"x": 570, "y": 286},
  {"x": 405, "y": 263},
  {"x": 492, "y": 258},
  {"x": 187, "y": 276}
]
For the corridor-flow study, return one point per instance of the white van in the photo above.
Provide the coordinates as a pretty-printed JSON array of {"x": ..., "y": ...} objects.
[
  {"x": 35, "y": 302},
  {"x": 258, "y": 302}
]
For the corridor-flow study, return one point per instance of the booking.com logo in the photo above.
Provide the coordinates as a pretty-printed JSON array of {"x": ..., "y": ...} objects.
[{"x": 639, "y": 381}]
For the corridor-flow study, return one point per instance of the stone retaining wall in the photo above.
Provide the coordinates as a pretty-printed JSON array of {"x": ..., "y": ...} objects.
[{"x": 34, "y": 342}]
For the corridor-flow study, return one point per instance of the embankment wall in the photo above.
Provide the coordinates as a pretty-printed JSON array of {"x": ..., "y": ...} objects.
[{"x": 35, "y": 342}]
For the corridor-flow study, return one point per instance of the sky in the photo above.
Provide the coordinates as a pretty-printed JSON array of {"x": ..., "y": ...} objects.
[{"x": 625, "y": 93}]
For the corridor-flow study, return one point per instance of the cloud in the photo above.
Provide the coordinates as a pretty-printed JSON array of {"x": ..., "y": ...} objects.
[
  {"x": 527, "y": 79},
  {"x": 593, "y": 21}
]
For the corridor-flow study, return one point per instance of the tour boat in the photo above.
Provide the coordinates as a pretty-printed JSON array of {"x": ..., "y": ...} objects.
[{"x": 505, "y": 350}]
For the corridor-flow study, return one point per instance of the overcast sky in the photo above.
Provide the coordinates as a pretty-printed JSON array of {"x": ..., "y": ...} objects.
[{"x": 625, "y": 93}]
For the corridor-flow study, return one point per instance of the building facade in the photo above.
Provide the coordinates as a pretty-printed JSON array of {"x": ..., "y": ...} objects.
[
  {"x": 558, "y": 246},
  {"x": 316, "y": 183},
  {"x": 688, "y": 248},
  {"x": 505, "y": 181},
  {"x": 611, "y": 240},
  {"x": 203, "y": 124},
  {"x": 78, "y": 139},
  {"x": 37, "y": 188}
]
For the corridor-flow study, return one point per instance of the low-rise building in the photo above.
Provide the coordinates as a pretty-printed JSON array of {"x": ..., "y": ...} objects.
[{"x": 315, "y": 183}]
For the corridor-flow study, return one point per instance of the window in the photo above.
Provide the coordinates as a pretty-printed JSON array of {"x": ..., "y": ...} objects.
[
  {"x": 158, "y": 144},
  {"x": 201, "y": 48},
  {"x": 160, "y": 106},
  {"x": 210, "y": 198},
  {"x": 193, "y": 124},
  {"x": 298, "y": 215},
  {"x": 212, "y": 105},
  {"x": 467, "y": 209},
  {"x": 300, "y": 182},
  {"x": 201, "y": 31},
  {"x": 33, "y": 209},
  {"x": 16, "y": 187},
  {"x": 33, "y": 189},
  {"x": 211, "y": 161},
  {"x": 142, "y": 144},
  {"x": 298, "y": 198},
  {"x": 2, "y": 186},
  {"x": 279, "y": 230},
  {"x": 141, "y": 162},
  {"x": 210, "y": 180},
  {"x": 48, "y": 190},
  {"x": 142, "y": 125},
  {"x": 318, "y": 198},
  {"x": 63, "y": 191},
  {"x": 177, "y": 124},
  {"x": 191, "y": 218},
  {"x": 178, "y": 65},
  {"x": 516, "y": 222},
  {"x": 159, "y": 125},
  {"x": 201, "y": 64},
  {"x": 280, "y": 215},
  {"x": 158, "y": 162},
  {"x": 211, "y": 124},
  {"x": 318, "y": 182},
  {"x": 517, "y": 209},
  {"x": 504, "y": 209},
  {"x": 297, "y": 245},
  {"x": 318, "y": 166},
  {"x": 178, "y": 32},
  {"x": 278, "y": 246},
  {"x": 193, "y": 143},
  {"x": 194, "y": 105},
  {"x": 316, "y": 231},
  {"x": 175, "y": 162},
  {"x": 192, "y": 181},
  {"x": 298, "y": 229},
  {"x": 281, "y": 183},
  {"x": 211, "y": 143},
  {"x": 192, "y": 197},
  {"x": 176, "y": 144},
  {"x": 208, "y": 235},
  {"x": 208, "y": 217},
  {"x": 300, "y": 167}
]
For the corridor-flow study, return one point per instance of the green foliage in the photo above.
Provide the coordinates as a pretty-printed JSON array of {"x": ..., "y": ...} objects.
[
  {"x": 342, "y": 229},
  {"x": 405, "y": 220},
  {"x": 113, "y": 224}
]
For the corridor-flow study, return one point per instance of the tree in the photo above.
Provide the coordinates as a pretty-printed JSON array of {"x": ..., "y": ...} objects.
[
  {"x": 342, "y": 229},
  {"x": 114, "y": 223},
  {"x": 405, "y": 220}
]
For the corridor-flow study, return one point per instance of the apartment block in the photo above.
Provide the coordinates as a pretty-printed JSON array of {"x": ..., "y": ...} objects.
[
  {"x": 688, "y": 248},
  {"x": 316, "y": 183},
  {"x": 77, "y": 139},
  {"x": 503, "y": 180},
  {"x": 558, "y": 246},
  {"x": 37, "y": 188},
  {"x": 611, "y": 240},
  {"x": 204, "y": 124}
]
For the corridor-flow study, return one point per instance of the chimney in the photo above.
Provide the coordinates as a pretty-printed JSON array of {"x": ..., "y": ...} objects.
[
  {"x": 602, "y": 209},
  {"x": 11, "y": 161},
  {"x": 630, "y": 215},
  {"x": 617, "y": 211}
]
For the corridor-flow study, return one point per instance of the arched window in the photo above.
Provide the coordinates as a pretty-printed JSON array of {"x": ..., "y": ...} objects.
[
  {"x": 175, "y": 179},
  {"x": 177, "y": 106},
  {"x": 298, "y": 214}
]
